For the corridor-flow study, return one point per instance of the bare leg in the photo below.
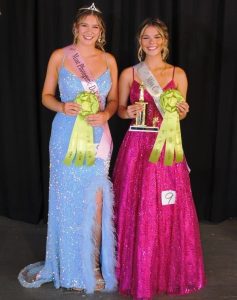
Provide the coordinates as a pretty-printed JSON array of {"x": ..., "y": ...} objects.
[{"x": 97, "y": 238}]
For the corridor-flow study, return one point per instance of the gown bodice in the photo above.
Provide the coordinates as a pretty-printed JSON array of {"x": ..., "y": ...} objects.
[{"x": 70, "y": 85}]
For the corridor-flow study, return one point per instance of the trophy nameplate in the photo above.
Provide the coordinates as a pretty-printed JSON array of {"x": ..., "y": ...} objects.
[{"x": 140, "y": 122}]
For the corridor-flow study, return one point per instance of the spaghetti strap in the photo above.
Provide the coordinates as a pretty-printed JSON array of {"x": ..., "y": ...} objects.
[
  {"x": 106, "y": 60},
  {"x": 133, "y": 73},
  {"x": 63, "y": 60},
  {"x": 173, "y": 73},
  {"x": 65, "y": 53}
]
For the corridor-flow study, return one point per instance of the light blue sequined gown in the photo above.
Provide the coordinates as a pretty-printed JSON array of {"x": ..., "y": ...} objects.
[{"x": 72, "y": 192}]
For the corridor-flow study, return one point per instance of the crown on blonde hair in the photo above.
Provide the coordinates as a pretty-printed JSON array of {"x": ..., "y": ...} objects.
[{"x": 92, "y": 7}]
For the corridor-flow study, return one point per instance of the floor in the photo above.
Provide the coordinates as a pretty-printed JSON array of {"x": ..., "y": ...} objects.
[{"x": 23, "y": 243}]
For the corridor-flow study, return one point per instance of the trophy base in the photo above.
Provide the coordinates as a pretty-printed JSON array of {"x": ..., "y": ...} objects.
[{"x": 143, "y": 128}]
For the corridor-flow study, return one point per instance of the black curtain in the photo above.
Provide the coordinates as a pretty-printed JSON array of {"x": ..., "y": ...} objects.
[{"x": 203, "y": 41}]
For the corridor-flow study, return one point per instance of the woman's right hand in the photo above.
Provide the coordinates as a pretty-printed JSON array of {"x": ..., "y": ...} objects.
[
  {"x": 70, "y": 108},
  {"x": 133, "y": 110}
]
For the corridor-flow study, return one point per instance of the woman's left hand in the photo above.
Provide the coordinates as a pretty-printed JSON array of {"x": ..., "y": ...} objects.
[
  {"x": 98, "y": 119},
  {"x": 183, "y": 109}
]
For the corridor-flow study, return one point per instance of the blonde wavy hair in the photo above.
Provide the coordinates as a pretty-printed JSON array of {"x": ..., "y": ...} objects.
[{"x": 163, "y": 30}]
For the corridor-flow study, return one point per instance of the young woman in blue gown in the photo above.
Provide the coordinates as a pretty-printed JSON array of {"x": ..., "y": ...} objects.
[{"x": 80, "y": 241}]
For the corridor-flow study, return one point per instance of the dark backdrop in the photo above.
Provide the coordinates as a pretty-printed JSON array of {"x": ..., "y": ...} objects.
[{"x": 202, "y": 41}]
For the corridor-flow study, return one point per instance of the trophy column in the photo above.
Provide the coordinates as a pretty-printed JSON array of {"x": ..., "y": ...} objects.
[
  {"x": 140, "y": 122},
  {"x": 141, "y": 116}
]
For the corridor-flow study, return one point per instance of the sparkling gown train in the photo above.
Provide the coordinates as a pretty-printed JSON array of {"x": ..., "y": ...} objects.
[
  {"x": 70, "y": 247},
  {"x": 159, "y": 249}
]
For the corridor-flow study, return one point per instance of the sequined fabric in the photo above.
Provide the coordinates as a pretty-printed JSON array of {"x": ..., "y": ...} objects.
[
  {"x": 159, "y": 248},
  {"x": 70, "y": 248}
]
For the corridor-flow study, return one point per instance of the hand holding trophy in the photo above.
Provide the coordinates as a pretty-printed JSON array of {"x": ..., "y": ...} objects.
[{"x": 140, "y": 122}]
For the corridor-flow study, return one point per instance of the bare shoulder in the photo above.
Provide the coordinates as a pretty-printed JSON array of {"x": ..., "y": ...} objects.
[
  {"x": 57, "y": 56},
  {"x": 110, "y": 59},
  {"x": 127, "y": 74},
  {"x": 179, "y": 73},
  {"x": 181, "y": 81}
]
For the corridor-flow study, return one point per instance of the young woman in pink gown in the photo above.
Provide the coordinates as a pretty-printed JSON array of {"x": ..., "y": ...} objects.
[{"x": 159, "y": 249}]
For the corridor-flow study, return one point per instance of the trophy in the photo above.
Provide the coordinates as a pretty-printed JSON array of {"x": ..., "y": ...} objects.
[{"x": 140, "y": 122}]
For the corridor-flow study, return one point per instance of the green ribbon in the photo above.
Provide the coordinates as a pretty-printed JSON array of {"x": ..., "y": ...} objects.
[
  {"x": 81, "y": 145},
  {"x": 169, "y": 133}
]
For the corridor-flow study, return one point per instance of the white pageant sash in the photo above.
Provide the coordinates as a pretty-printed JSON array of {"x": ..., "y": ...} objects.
[
  {"x": 150, "y": 83},
  {"x": 105, "y": 146}
]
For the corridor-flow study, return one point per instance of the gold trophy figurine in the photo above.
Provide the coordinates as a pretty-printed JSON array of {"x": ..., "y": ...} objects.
[
  {"x": 140, "y": 123},
  {"x": 141, "y": 116}
]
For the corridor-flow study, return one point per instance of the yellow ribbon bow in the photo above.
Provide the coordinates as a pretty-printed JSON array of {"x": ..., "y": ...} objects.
[
  {"x": 81, "y": 144},
  {"x": 169, "y": 133}
]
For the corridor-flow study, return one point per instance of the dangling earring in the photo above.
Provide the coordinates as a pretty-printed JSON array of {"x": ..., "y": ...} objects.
[
  {"x": 140, "y": 54},
  {"x": 99, "y": 39}
]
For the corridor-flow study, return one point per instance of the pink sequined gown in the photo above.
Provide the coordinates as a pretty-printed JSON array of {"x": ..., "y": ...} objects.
[{"x": 159, "y": 249}]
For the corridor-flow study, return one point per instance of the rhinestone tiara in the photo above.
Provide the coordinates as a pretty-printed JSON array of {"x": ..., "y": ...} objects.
[{"x": 92, "y": 7}]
